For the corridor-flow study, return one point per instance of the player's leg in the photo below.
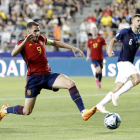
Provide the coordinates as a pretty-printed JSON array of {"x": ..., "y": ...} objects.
[
  {"x": 63, "y": 82},
  {"x": 19, "y": 109},
  {"x": 128, "y": 85},
  {"x": 127, "y": 70},
  {"x": 108, "y": 98},
  {"x": 98, "y": 76},
  {"x": 98, "y": 68}
]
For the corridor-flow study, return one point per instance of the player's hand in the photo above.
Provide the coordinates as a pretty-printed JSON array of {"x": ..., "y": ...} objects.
[
  {"x": 87, "y": 59},
  {"x": 29, "y": 37},
  {"x": 110, "y": 53},
  {"x": 77, "y": 50}
]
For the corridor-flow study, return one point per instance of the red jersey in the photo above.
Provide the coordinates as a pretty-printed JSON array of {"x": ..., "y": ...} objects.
[
  {"x": 34, "y": 55},
  {"x": 95, "y": 46},
  {"x": 92, "y": 18},
  {"x": 107, "y": 11}
]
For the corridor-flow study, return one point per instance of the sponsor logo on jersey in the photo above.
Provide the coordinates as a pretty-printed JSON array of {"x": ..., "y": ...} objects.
[
  {"x": 98, "y": 40},
  {"x": 30, "y": 44},
  {"x": 29, "y": 91}
]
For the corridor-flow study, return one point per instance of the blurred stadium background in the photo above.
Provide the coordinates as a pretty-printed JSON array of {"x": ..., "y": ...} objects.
[{"x": 68, "y": 21}]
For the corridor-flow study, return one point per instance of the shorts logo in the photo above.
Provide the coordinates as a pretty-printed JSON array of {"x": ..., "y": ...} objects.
[{"x": 29, "y": 91}]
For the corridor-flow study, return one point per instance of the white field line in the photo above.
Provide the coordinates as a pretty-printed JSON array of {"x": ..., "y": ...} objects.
[{"x": 55, "y": 97}]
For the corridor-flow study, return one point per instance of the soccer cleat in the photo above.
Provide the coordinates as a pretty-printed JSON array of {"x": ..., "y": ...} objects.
[
  {"x": 101, "y": 108},
  {"x": 88, "y": 113},
  {"x": 98, "y": 83},
  {"x": 115, "y": 99},
  {"x": 2, "y": 112}
]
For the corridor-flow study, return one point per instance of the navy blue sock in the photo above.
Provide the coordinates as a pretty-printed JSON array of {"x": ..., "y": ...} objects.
[
  {"x": 97, "y": 76},
  {"x": 100, "y": 77},
  {"x": 76, "y": 97},
  {"x": 15, "y": 109}
]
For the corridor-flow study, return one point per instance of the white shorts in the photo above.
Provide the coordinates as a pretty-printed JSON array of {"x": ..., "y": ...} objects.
[
  {"x": 125, "y": 70},
  {"x": 83, "y": 38}
]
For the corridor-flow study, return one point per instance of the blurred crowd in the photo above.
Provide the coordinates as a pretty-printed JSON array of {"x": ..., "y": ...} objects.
[
  {"x": 55, "y": 16},
  {"x": 52, "y": 15},
  {"x": 114, "y": 17}
]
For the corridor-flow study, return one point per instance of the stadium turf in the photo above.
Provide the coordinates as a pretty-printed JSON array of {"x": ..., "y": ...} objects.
[{"x": 56, "y": 117}]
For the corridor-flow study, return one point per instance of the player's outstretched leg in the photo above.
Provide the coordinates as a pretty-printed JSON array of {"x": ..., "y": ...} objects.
[
  {"x": 18, "y": 109},
  {"x": 115, "y": 96},
  {"x": 14, "y": 110},
  {"x": 76, "y": 97},
  {"x": 63, "y": 81}
]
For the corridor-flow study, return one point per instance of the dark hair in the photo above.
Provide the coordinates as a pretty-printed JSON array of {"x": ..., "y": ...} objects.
[
  {"x": 136, "y": 15},
  {"x": 30, "y": 24}
]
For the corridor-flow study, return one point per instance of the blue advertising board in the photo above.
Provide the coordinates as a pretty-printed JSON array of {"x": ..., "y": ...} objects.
[{"x": 67, "y": 66}]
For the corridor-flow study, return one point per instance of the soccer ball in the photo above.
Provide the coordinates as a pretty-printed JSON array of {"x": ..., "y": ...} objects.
[{"x": 112, "y": 121}]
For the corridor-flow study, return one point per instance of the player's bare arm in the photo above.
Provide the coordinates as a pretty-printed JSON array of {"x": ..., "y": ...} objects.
[
  {"x": 106, "y": 48},
  {"x": 88, "y": 54},
  {"x": 110, "y": 47},
  {"x": 17, "y": 49},
  {"x": 60, "y": 44}
]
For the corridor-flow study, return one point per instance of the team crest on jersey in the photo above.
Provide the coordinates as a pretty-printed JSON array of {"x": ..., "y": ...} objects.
[
  {"x": 29, "y": 91},
  {"x": 30, "y": 44},
  {"x": 90, "y": 41},
  {"x": 98, "y": 40}
]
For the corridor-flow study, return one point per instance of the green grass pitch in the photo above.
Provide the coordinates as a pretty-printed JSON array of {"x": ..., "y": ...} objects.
[{"x": 56, "y": 117}]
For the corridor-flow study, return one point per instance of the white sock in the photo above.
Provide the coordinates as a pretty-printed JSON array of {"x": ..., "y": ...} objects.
[
  {"x": 125, "y": 88},
  {"x": 82, "y": 112},
  {"x": 106, "y": 99},
  {"x": 5, "y": 110}
]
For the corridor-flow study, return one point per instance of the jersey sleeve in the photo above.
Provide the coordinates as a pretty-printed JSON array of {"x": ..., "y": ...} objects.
[
  {"x": 19, "y": 42},
  {"x": 88, "y": 44},
  {"x": 120, "y": 35},
  {"x": 104, "y": 42}
]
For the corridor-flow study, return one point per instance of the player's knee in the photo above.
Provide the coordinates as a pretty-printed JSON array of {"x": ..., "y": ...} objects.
[
  {"x": 137, "y": 81},
  {"x": 27, "y": 112},
  {"x": 70, "y": 84}
]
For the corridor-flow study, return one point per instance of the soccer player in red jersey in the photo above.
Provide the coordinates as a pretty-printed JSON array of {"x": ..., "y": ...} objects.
[
  {"x": 94, "y": 49},
  {"x": 39, "y": 75}
]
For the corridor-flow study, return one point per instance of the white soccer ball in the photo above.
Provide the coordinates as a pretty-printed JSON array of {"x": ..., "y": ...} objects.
[{"x": 112, "y": 121}]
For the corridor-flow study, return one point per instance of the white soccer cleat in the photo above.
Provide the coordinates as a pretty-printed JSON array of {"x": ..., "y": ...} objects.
[
  {"x": 115, "y": 99},
  {"x": 101, "y": 108}
]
